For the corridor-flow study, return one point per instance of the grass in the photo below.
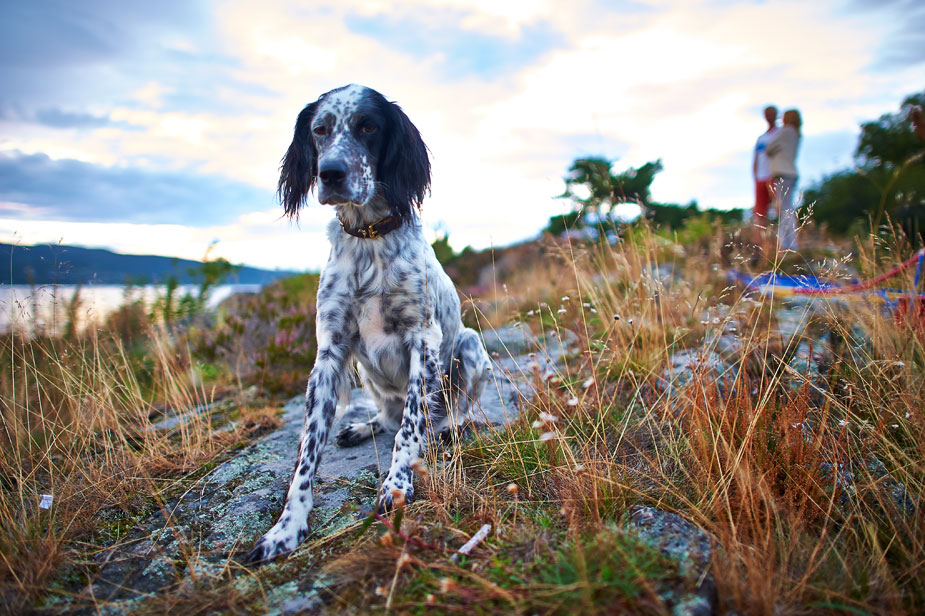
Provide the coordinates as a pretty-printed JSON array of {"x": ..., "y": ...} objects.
[{"x": 805, "y": 470}]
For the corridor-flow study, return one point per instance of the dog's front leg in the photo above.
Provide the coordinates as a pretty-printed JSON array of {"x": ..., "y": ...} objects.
[
  {"x": 324, "y": 386},
  {"x": 425, "y": 398}
]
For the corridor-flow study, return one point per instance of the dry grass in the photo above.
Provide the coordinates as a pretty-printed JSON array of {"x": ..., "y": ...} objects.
[
  {"x": 813, "y": 489},
  {"x": 810, "y": 484},
  {"x": 79, "y": 423}
]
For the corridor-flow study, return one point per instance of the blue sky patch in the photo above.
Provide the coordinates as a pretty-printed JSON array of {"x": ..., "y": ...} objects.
[{"x": 465, "y": 52}]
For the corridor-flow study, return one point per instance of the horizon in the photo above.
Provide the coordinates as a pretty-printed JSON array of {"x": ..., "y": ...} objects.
[{"x": 162, "y": 134}]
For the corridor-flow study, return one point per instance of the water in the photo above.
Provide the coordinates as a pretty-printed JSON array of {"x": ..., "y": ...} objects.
[{"x": 22, "y": 307}]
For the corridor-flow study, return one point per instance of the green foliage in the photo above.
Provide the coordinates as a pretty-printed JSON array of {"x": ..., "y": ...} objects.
[
  {"x": 268, "y": 337},
  {"x": 607, "y": 572},
  {"x": 841, "y": 200},
  {"x": 889, "y": 179},
  {"x": 605, "y": 190},
  {"x": 443, "y": 250},
  {"x": 210, "y": 274},
  {"x": 889, "y": 141}
]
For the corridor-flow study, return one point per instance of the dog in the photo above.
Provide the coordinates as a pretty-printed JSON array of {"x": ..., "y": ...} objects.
[{"x": 384, "y": 302}]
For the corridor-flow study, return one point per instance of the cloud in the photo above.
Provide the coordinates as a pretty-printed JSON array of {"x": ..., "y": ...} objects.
[
  {"x": 34, "y": 185},
  {"x": 460, "y": 51},
  {"x": 905, "y": 45}
]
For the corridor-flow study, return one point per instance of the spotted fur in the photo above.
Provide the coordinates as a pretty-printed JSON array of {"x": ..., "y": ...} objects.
[{"x": 384, "y": 304}]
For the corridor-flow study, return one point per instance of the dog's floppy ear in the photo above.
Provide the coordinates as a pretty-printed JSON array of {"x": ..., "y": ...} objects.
[
  {"x": 299, "y": 167},
  {"x": 404, "y": 168}
]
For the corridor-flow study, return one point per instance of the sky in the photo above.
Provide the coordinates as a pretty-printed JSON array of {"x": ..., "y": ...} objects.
[{"x": 158, "y": 128}]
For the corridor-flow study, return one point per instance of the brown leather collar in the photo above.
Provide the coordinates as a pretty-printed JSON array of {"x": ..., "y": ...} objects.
[{"x": 374, "y": 230}]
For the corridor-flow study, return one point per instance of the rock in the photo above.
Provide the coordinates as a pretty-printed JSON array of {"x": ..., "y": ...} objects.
[
  {"x": 509, "y": 340},
  {"x": 808, "y": 366},
  {"x": 300, "y": 605},
  {"x": 686, "y": 543},
  {"x": 843, "y": 478},
  {"x": 225, "y": 511},
  {"x": 791, "y": 323},
  {"x": 729, "y": 347},
  {"x": 690, "y": 365}
]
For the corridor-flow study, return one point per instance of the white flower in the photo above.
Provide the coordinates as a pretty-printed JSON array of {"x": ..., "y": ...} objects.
[
  {"x": 566, "y": 298},
  {"x": 548, "y": 418},
  {"x": 843, "y": 423},
  {"x": 561, "y": 310},
  {"x": 588, "y": 383},
  {"x": 573, "y": 401},
  {"x": 547, "y": 436}
]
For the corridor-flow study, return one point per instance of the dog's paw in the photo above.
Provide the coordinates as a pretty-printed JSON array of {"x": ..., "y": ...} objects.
[
  {"x": 278, "y": 541},
  {"x": 352, "y": 435},
  {"x": 394, "y": 493}
]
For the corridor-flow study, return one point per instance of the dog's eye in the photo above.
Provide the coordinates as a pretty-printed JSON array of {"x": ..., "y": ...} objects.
[
  {"x": 368, "y": 128},
  {"x": 320, "y": 130}
]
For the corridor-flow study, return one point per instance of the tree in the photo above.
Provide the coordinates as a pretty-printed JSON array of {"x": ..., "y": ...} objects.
[
  {"x": 595, "y": 189},
  {"x": 889, "y": 178},
  {"x": 600, "y": 191}
]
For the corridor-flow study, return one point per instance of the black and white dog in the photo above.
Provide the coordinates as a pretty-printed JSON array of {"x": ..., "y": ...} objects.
[{"x": 384, "y": 302}]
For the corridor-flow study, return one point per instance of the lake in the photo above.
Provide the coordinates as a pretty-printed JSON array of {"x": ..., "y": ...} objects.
[{"x": 19, "y": 304}]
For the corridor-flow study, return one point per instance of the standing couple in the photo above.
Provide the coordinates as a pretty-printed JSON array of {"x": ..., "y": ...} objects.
[{"x": 775, "y": 173}]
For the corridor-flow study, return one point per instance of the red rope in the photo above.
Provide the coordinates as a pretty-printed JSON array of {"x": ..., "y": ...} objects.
[{"x": 861, "y": 286}]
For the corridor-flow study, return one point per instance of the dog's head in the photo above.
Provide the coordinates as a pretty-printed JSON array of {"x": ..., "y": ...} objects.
[{"x": 356, "y": 145}]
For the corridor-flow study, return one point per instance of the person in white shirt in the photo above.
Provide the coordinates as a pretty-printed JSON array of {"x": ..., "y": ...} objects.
[
  {"x": 782, "y": 151},
  {"x": 761, "y": 170}
]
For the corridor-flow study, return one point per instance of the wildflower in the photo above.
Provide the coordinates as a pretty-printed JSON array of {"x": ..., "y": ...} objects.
[
  {"x": 547, "y": 436},
  {"x": 561, "y": 310},
  {"x": 382, "y": 591},
  {"x": 447, "y": 585},
  {"x": 630, "y": 321},
  {"x": 894, "y": 426},
  {"x": 588, "y": 383},
  {"x": 843, "y": 423},
  {"x": 531, "y": 313},
  {"x": 566, "y": 298},
  {"x": 573, "y": 401},
  {"x": 586, "y": 304},
  {"x": 593, "y": 311},
  {"x": 548, "y": 418}
]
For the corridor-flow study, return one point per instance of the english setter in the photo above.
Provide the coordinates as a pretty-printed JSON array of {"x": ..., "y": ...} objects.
[{"x": 384, "y": 301}]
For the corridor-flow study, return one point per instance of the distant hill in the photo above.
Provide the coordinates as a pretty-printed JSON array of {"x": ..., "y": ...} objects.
[{"x": 56, "y": 264}]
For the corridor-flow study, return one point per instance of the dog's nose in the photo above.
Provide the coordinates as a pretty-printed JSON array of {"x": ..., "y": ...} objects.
[{"x": 332, "y": 172}]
